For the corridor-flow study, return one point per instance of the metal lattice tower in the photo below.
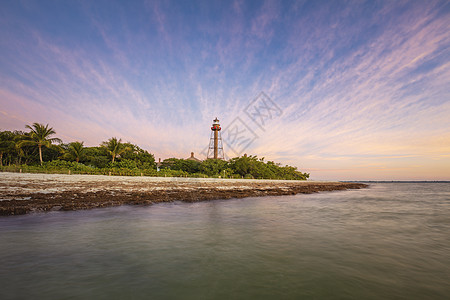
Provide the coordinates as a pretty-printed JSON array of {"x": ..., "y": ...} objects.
[{"x": 215, "y": 149}]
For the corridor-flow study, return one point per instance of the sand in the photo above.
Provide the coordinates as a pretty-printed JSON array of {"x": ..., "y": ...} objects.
[{"x": 22, "y": 193}]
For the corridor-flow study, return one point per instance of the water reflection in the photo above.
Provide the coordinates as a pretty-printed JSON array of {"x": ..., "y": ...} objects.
[{"x": 389, "y": 241}]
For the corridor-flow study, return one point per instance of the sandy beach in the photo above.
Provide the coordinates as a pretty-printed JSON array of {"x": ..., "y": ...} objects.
[{"x": 24, "y": 193}]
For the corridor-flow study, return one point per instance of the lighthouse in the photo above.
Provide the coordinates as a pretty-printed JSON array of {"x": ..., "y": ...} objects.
[{"x": 215, "y": 149}]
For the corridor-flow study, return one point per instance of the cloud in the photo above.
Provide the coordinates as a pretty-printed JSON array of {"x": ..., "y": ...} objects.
[
  {"x": 363, "y": 86},
  {"x": 262, "y": 24},
  {"x": 365, "y": 103}
]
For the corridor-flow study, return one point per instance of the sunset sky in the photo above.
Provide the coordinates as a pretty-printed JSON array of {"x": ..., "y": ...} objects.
[{"x": 344, "y": 90}]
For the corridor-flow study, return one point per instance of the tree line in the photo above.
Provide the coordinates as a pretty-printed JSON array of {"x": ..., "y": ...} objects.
[{"x": 37, "y": 150}]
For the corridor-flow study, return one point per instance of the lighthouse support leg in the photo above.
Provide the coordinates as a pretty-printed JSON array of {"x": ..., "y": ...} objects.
[{"x": 216, "y": 142}]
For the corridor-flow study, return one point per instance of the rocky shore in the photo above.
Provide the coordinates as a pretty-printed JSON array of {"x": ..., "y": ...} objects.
[{"x": 24, "y": 193}]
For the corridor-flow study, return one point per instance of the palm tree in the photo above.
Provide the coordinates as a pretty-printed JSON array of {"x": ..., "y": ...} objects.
[
  {"x": 114, "y": 147},
  {"x": 40, "y": 136},
  {"x": 19, "y": 149},
  {"x": 76, "y": 149},
  {"x": 6, "y": 143}
]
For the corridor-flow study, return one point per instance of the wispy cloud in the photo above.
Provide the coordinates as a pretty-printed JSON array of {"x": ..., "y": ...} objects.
[
  {"x": 363, "y": 86},
  {"x": 363, "y": 103}
]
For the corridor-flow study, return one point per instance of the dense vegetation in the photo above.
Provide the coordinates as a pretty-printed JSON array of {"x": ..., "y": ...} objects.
[{"x": 39, "y": 151}]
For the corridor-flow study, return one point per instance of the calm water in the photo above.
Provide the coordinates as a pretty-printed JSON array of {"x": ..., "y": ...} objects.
[{"x": 391, "y": 241}]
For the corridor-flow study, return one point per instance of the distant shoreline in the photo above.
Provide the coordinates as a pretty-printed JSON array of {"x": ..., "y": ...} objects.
[
  {"x": 26, "y": 193},
  {"x": 399, "y": 181}
]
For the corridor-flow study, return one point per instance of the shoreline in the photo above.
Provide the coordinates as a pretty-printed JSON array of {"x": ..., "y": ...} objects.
[{"x": 25, "y": 193}]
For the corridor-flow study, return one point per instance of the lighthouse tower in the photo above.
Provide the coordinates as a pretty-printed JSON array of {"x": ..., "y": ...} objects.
[{"x": 215, "y": 149}]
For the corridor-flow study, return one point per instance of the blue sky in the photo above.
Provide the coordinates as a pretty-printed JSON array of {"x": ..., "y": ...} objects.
[{"x": 358, "y": 89}]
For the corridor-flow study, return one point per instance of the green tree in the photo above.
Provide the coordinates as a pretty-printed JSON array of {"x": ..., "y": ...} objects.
[
  {"x": 185, "y": 165},
  {"x": 6, "y": 144},
  {"x": 76, "y": 151},
  {"x": 254, "y": 167},
  {"x": 243, "y": 165},
  {"x": 21, "y": 151},
  {"x": 115, "y": 147},
  {"x": 96, "y": 156},
  {"x": 141, "y": 157},
  {"x": 40, "y": 136},
  {"x": 170, "y": 163},
  {"x": 190, "y": 166},
  {"x": 212, "y": 167}
]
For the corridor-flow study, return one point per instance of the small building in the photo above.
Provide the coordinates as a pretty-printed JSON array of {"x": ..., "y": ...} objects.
[
  {"x": 193, "y": 158},
  {"x": 158, "y": 165}
]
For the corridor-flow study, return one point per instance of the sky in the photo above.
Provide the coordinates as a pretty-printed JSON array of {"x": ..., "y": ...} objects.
[{"x": 343, "y": 90}]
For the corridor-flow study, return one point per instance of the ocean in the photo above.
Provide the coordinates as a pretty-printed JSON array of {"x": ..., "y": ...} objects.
[{"x": 389, "y": 241}]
